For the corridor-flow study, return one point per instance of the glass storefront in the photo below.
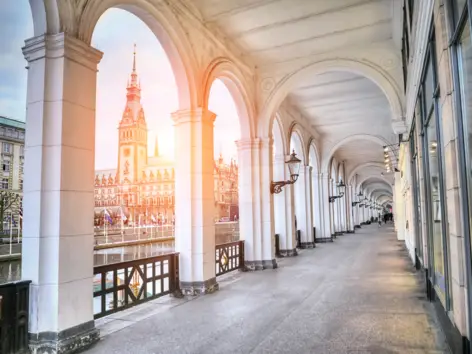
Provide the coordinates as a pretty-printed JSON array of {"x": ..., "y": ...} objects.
[
  {"x": 416, "y": 195},
  {"x": 465, "y": 78},
  {"x": 435, "y": 204}
]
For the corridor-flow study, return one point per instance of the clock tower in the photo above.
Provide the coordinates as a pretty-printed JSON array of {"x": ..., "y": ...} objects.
[{"x": 132, "y": 137}]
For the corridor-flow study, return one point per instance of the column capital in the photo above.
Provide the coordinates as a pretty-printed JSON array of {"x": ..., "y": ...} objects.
[
  {"x": 399, "y": 126},
  {"x": 61, "y": 45},
  {"x": 253, "y": 143},
  {"x": 198, "y": 115},
  {"x": 305, "y": 169},
  {"x": 248, "y": 144}
]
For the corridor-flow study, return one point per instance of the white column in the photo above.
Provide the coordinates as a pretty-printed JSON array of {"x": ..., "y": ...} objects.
[
  {"x": 256, "y": 203},
  {"x": 284, "y": 210},
  {"x": 399, "y": 206},
  {"x": 266, "y": 198},
  {"x": 324, "y": 234},
  {"x": 303, "y": 207},
  {"x": 350, "y": 209},
  {"x": 317, "y": 204},
  {"x": 59, "y": 192},
  {"x": 194, "y": 200}
]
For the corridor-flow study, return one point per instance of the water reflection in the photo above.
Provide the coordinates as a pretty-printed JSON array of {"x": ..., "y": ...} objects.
[
  {"x": 224, "y": 232},
  {"x": 129, "y": 253},
  {"x": 11, "y": 271}
]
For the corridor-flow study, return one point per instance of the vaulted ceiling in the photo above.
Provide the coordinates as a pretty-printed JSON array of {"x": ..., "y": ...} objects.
[{"x": 336, "y": 103}]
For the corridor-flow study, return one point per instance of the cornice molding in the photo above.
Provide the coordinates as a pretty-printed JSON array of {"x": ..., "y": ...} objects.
[{"x": 60, "y": 45}]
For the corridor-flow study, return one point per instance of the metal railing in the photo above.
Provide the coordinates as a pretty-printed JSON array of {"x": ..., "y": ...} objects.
[
  {"x": 14, "y": 314},
  {"x": 119, "y": 286},
  {"x": 229, "y": 257}
]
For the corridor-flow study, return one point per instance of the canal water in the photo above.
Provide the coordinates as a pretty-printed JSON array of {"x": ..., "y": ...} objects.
[
  {"x": 224, "y": 232},
  {"x": 11, "y": 270}
]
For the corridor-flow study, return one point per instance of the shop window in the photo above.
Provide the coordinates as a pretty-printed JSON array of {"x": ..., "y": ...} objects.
[{"x": 435, "y": 202}]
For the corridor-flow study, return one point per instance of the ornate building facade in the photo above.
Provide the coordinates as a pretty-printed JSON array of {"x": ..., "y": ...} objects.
[
  {"x": 142, "y": 187},
  {"x": 12, "y": 145}
]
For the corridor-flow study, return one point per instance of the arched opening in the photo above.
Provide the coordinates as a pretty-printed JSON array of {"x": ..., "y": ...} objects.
[
  {"x": 313, "y": 161},
  {"x": 302, "y": 193},
  {"x": 284, "y": 218},
  {"x": 299, "y": 198},
  {"x": 134, "y": 186},
  {"x": 333, "y": 207},
  {"x": 226, "y": 132},
  {"x": 17, "y": 25},
  {"x": 384, "y": 82},
  {"x": 342, "y": 201}
]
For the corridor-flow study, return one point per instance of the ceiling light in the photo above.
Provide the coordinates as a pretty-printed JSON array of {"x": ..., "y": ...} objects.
[{"x": 385, "y": 148}]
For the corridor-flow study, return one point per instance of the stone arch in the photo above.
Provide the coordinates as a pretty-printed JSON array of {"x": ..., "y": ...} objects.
[
  {"x": 341, "y": 172},
  {"x": 279, "y": 138},
  {"x": 225, "y": 70},
  {"x": 295, "y": 131},
  {"x": 332, "y": 171},
  {"x": 168, "y": 31},
  {"x": 313, "y": 152},
  {"x": 45, "y": 16},
  {"x": 364, "y": 68},
  {"x": 387, "y": 182},
  {"x": 373, "y": 138},
  {"x": 356, "y": 169},
  {"x": 377, "y": 193}
]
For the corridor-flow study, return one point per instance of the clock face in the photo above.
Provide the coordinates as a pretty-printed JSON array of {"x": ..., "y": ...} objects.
[{"x": 126, "y": 152}]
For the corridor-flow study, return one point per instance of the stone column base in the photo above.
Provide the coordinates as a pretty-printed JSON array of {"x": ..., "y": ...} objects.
[
  {"x": 260, "y": 265},
  {"x": 196, "y": 288},
  {"x": 324, "y": 240},
  {"x": 350, "y": 231},
  {"x": 305, "y": 245},
  {"x": 70, "y": 340},
  {"x": 357, "y": 226},
  {"x": 288, "y": 253},
  {"x": 338, "y": 233}
]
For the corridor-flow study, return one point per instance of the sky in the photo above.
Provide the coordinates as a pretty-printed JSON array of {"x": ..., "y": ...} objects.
[
  {"x": 16, "y": 25},
  {"x": 115, "y": 35}
]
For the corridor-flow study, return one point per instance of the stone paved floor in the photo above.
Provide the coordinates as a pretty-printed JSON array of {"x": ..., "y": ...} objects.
[{"x": 359, "y": 294}]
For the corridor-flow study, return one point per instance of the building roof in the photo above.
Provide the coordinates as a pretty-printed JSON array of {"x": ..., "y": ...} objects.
[{"x": 12, "y": 122}]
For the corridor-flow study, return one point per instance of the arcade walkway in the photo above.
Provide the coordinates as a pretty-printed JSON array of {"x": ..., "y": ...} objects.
[{"x": 357, "y": 295}]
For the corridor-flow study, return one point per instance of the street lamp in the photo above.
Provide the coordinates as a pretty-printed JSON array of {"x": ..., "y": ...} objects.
[
  {"x": 341, "y": 187},
  {"x": 294, "y": 168}
]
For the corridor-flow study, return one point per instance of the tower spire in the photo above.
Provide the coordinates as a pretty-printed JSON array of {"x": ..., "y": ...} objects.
[{"x": 134, "y": 58}]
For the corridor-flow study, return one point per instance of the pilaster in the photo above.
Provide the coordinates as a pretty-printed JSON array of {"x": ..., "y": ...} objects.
[
  {"x": 303, "y": 207},
  {"x": 256, "y": 203},
  {"x": 194, "y": 200},
  {"x": 325, "y": 234},
  {"x": 59, "y": 192},
  {"x": 284, "y": 216}
]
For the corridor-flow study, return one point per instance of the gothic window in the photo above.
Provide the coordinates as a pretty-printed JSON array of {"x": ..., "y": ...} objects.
[{"x": 5, "y": 183}]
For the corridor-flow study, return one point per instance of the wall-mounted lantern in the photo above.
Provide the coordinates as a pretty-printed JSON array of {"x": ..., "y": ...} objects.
[
  {"x": 341, "y": 187},
  {"x": 294, "y": 169}
]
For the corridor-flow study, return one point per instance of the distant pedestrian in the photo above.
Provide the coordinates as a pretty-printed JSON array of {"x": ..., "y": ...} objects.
[{"x": 380, "y": 222}]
